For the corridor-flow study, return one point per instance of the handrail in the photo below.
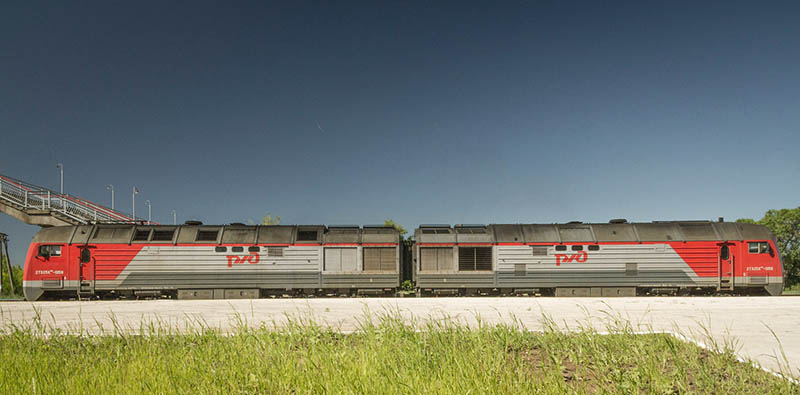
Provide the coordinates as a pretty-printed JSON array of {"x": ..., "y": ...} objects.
[{"x": 29, "y": 197}]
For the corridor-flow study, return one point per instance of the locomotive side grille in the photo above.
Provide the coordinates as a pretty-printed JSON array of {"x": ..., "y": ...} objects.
[
  {"x": 379, "y": 258},
  {"x": 275, "y": 251},
  {"x": 163, "y": 235},
  {"x": 538, "y": 251},
  {"x": 142, "y": 235},
  {"x": 436, "y": 259},
  {"x": 341, "y": 260},
  {"x": 436, "y": 231},
  {"x": 207, "y": 235},
  {"x": 474, "y": 258},
  {"x": 112, "y": 233}
]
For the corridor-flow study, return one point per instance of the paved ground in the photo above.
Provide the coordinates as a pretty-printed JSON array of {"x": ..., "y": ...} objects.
[{"x": 743, "y": 320}]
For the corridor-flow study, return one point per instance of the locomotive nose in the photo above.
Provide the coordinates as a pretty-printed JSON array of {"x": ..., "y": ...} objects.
[{"x": 32, "y": 293}]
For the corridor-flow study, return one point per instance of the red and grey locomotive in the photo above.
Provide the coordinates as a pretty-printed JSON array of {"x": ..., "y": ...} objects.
[{"x": 197, "y": 261}]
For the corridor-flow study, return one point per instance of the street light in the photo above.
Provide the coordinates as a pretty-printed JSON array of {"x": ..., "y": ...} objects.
[
  {"x": 61, "y": 167},
  {"x": 135, "y": 192},
  {"x": 174, "y": 217},
  {"x": 149, "y": 212},
  {"x": 111, "y": 188}
]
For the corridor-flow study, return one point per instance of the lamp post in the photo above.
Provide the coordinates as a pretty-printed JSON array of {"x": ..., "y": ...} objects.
[
  {"x": 60, "y": 167},
  {"x": 174, "y": 217},
  {"x": 111, "y": 188},
  {"x": 135, "y": 192},
  {"x": 149, "y": 212}
]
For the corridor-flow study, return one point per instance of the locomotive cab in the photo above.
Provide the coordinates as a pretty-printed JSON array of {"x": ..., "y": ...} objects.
[
  {"x": 761, "y": 266},
  {"x": 47, "y": 264},
  {"x": 46, "y": 268}
]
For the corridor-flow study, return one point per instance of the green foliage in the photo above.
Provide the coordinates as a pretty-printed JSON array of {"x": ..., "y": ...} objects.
[
  {"x": 395, "y": 225},
  {"x": 268, "y": 219},
  {"x": 407, "y": 285},
  {"x": 792, "y": 290},
  {"x": 7, "y": 282},
  {"x": 785, "y": 224},
  {"x": 387, "y": 357}
]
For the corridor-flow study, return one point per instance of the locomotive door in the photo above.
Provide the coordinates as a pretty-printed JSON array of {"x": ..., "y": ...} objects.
[
  {"x": 726, "y": 265},
  {"x": 86, "y": 270}
]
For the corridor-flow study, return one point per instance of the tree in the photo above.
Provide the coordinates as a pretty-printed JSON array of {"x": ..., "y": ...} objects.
[
  {"x": 268, "y": 219},
  {"x": 7, "y": 282},
  {"x": 395, "y": 225},
  {"x": 785, "y": 225}
]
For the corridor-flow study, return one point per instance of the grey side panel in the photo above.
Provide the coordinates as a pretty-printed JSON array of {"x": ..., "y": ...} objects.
[
  {"x": 436, "y": 259},
  {"x": 612, "y": 265},
  {"x": 614, "y": 232},
  {"x": 276, "y": 234},
  {"x": 456, "y": 280},
  {"x": 55, "y": 234},
  {"x": 171, "y": 267},
  {"x": 377, "y": 234},
  {"x": 575, "y": 233},
  {"x": 755, "y": 232},
  {"x": 239, "y": 234},
  {"x": 540, "y": 234},
  {"x": 341, "y": 259},
  {"x": 343, "y": 235},
  {"x": 507, "y": 233},
  {"x": 729, "y": 231},
  {"x": 361, "y": 280}
]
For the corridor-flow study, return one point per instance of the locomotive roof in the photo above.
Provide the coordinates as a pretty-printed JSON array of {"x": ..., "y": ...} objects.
[
  {"x": 215, "y": 234},
  {"x": 595, "y": 232}
]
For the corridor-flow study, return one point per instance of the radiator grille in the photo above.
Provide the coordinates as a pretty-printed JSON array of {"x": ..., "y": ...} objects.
[
  {"x": 379, "y": 259},
  {"x": 474, "y": 258}
]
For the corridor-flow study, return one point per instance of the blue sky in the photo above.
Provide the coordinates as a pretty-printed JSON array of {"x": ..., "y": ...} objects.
[{"x": 451, "y": 113}]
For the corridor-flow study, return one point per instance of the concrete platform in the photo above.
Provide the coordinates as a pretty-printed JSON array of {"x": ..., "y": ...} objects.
[{"x": 745, "y": 321}]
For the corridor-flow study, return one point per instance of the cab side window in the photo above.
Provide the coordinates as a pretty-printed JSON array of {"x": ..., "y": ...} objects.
[
  {"x": 86, "y": 255},
  {"x": 49, "y": 250},
  {"x": 758, "y": 247}
]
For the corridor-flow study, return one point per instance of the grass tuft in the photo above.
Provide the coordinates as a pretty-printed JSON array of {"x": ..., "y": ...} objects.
[{"x": 386, "y": 354}]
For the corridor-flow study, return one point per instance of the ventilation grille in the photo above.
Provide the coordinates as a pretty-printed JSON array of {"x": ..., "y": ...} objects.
[
  {"x": 436, "y": 231},
  {"x": 141, "y": 235},
  {"x": 207, "y": 235},
  {"x": 538, "y": 251},
  {"x": 474, "y": 258},
  {"x": 379, "y": 259},
  {"x": 163, "y": 235}
]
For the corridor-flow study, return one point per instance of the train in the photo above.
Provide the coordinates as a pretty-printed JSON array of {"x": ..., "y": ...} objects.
[{"x": 235, "y": 261}]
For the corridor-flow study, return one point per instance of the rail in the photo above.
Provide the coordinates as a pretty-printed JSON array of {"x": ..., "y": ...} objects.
[{"x": 30, "y": 198}]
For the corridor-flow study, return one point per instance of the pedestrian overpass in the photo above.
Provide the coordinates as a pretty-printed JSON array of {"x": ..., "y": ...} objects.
[{"x": 37, "y": 205}]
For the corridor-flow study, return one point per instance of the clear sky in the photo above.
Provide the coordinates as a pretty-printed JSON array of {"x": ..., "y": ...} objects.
[{"x": 453, "y": 113}]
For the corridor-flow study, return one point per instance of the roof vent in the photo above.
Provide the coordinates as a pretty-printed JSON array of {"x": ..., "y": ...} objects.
[
  {"x": 193, "y": 222},
  {"x": 574, "y": 222},
  {"x": 618, "y": 221},
  {"x": 237, "y": 224}
]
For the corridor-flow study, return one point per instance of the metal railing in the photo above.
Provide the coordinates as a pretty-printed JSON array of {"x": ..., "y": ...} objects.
[{"x": 34, "y": 199}]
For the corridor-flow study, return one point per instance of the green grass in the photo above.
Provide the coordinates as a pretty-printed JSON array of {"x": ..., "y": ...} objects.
[
  {"x": 792, "y": 290},
  {"x": 388, "y": 356}
]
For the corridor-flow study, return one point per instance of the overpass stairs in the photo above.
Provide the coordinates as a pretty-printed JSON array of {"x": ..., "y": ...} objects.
[{"x": 36, "y": 205}]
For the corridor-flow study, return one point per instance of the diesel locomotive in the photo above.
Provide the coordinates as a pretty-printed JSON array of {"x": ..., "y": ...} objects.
[{"x": 196, "y": 261}]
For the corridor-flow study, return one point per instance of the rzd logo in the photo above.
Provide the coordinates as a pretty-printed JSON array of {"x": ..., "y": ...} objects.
[
  {"x": 580, "y": 257},
  {"x": 238, "y": 260}
]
